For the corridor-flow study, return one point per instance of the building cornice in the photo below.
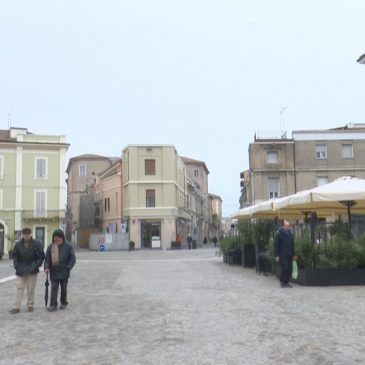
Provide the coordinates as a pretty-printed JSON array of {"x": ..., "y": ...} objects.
[{"x": 336, "y": 135}]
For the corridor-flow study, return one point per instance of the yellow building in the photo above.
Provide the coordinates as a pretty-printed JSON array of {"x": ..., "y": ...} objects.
[
  {"x": 32, "y": 185},
  {"x": 154, "y": 195}
]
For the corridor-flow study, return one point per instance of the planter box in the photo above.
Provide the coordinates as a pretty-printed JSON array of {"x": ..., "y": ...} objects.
[
  {"x": 232, "y": 257},
  {"x": 249, "y": 255},
  {"x": 175, "y": 245},
  {"x": 326, "y": 277}
]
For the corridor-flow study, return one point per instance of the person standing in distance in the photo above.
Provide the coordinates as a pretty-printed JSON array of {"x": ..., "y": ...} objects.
[
  {"x": 60, "y": 259},
  {"x": 28, "y": 256},
  {"x": 285, "y": 253}
]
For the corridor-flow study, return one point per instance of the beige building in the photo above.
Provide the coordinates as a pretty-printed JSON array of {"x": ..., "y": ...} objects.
[
  {"x": 82, "y": 172},
  {"x": 279, "y": 167},
  {"x": 147, "y": 194},
  {"x": 197, "y": 172},
  {"x": 271, "y": 169},
  {"x": 215, "y": 216},
  {"x": 108, "y": 199},
  {"x": 154, "y": 194}
]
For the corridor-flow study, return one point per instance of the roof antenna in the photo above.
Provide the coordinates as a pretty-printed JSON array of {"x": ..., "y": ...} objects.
[
  {"x": 9, "y": 119},
  {"x": 282, "y": 125}
]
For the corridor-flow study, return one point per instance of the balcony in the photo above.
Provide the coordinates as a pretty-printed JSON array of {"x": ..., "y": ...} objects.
[{"x": 55, "y": 214}]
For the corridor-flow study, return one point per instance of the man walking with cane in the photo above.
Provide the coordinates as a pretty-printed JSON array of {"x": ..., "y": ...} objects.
[{"x": 60, "y": 259}]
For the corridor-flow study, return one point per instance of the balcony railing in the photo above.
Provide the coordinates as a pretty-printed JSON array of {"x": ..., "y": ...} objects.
[{"x": 46, "y": 214}]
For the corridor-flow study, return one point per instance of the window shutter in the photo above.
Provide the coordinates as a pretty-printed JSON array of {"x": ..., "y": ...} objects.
[{"x": 150, "y": 167}]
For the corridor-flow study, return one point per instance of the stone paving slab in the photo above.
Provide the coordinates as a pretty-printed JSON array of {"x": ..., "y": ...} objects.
[{"x": 182, "y": 307}]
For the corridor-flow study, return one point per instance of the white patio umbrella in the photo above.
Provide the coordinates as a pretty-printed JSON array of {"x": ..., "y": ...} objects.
[
  {"x": 266, "y": 210},
  {"x": 336, "y": 197},
  {"x": 345, "y": 195}
]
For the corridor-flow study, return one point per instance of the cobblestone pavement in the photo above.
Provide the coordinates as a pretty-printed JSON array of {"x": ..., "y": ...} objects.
[{"x": 182, "y": 307}]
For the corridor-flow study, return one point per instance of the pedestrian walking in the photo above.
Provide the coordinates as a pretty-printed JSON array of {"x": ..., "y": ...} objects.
[
  {"x": 190, "y": 241},
  {"x": 215, "y": 240},
  {"x": 28, "y": 256},
  {"x": 60, "y": 259},
  {"x": 285, "y": 253}
]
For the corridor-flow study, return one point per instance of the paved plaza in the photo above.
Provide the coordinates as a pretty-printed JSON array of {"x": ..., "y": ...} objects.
[{"x": 181, "y": 307}]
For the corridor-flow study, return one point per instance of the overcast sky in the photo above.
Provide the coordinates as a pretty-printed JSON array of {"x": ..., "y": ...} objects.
[{"x": 202, "y": 75}]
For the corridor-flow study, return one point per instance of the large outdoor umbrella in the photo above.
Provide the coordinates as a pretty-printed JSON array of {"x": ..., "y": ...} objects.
[
  {"x": 336, "y": 197},
  {"x": 262, "y": 209},
  {"x": 345, "y": 195},
  {"x": 266, "y": 210},
  {"x": 46, "y": 293}
]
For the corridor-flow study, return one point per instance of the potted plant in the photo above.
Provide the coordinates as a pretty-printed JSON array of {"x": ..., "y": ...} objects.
[
  {"x": 231, "y": 248},
  {"x": 338, "y": 261},
  {"x": 175, "y": 245},
  {"x": 246, "y": 238},
  {"x": 131, "y": 245}
]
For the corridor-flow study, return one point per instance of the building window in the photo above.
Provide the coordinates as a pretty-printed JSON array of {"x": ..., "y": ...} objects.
[
  {"x": 196, "y": 173},
  {"x": 273, "y": 187},
  {"x": 150, "y": 167},
  {"x": 322, "y": 180},
  {"x": 40, "y": 203},
  {"x": 82, "y": 170},
  {"x": 321, "y": 151},
  {"x": 272, "y": 157},
  {"x": 150, "y": 198},
  {"x": 1, "y": 167},
  {"x": 347, "y": 151},
  {"x": 40, "y": 168},
  {"x": 107, "y": 205}
]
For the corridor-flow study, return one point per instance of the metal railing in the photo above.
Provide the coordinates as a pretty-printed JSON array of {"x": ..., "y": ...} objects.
[{"x": 46, "y": 214}]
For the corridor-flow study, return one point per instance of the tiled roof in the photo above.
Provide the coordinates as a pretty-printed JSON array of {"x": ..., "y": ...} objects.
[
  {"x": 89, "y": 156},
  {"x": 190, "y": 161},
  {"x": 5, "y": 136}
]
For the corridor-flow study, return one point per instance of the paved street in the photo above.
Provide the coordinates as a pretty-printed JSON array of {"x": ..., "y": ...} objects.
[{"x": 182, "y": 307}]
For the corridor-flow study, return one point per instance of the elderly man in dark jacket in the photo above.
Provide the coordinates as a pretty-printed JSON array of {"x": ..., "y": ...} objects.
[
  {"x": 60, "y": 259},
  {"x": 28, "y": 256},
  {"x": 285, "y": 253}
]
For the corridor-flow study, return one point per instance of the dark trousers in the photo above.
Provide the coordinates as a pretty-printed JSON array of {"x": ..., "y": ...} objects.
[
  {"x": 54, "y": 291},
  {"x": 286, "y": 266}
]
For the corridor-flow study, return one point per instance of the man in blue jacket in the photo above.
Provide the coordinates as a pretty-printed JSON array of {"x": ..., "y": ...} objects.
[
  {"x": 60, "y": 259},
  {"x": 285, "y": 253}
]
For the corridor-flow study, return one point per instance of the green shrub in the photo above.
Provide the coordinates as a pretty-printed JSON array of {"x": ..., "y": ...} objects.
[
  {"x": 339, "y": 229},
  {"x": 245, "y": 229},
  {"x": 361, "y": 257},
  {"x": 307, "y": 252},
  {"x": 262, "y": 232},
  {"x": 257, "y": 233},
  {"x": 230, "y": 243},
  {"x": 339, "y": 253}
]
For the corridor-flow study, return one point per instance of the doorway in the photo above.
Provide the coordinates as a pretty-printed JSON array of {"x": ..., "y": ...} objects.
[
  {"x": 151, "y": 234},
  {"x": 39, "y": 234},
  {"x": 2, "y": 237}
]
